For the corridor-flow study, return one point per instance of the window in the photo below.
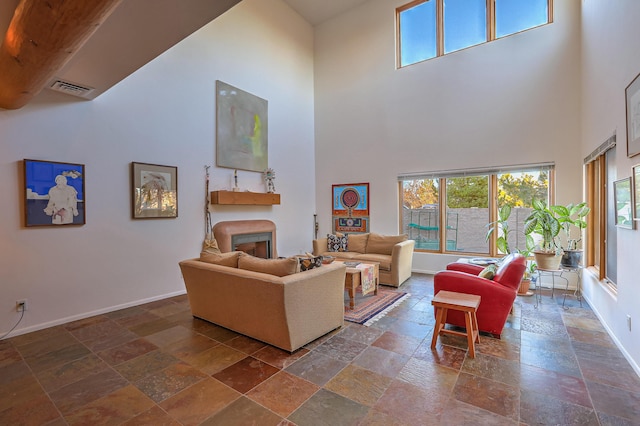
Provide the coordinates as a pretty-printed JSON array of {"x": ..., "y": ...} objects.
[
  {"x": 601, "y": 248},
  {"x": 450, "y": 211},
  {"x": 431, "y": 28}
]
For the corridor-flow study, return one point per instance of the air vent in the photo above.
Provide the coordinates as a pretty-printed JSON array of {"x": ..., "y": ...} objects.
[{"x": 71, "y": 88}]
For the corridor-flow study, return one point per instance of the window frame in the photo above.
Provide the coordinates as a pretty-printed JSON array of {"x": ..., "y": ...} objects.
[
  {"x": 490, "y": 28},
  {"x": 492, "y": 174}
]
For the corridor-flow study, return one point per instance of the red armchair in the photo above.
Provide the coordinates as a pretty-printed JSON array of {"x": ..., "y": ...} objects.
[{"x": 497, "y": 295}]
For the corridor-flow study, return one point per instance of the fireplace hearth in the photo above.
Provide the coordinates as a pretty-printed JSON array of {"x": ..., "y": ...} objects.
[{"x": 256, "y": 237}]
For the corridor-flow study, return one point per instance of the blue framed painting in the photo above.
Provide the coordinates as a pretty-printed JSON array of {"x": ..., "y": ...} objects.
[
  {"x": 350, "y": 207},
  {"x": 54, "y": 193}
]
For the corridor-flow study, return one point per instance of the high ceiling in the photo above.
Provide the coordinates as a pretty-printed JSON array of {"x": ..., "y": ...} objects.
[{"x": 106, "y": 46}]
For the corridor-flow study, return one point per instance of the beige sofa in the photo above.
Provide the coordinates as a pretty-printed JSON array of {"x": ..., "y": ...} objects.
[
  {"x": 287, "y": 312},
  {"x": 394, "y": 253}
]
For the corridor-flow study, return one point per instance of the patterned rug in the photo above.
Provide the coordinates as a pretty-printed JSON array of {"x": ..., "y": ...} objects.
[{"x": 371, "y": 308}]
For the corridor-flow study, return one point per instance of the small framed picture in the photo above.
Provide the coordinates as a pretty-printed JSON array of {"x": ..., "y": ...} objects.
[
  {"x": 54, "y": 193},
  {"x": 636, "y": 191},
  {"x": 154, "y": 192},
  {"x": 632, "y": 98},
  {"x": 622, "y": 200}
]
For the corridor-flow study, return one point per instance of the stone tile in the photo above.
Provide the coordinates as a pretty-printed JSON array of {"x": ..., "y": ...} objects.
[
  {"x": 213, "y": 331},
  {"x": 279, "y": 358},
  {"x": 155, "y": 416},
  {"x": 188, "y": 348},
  {"x": 71, "y": 372},
  {"x": 101, "y": 343},
  {"x": 41, "y": 347},
  {"x": 567, "y": 388},
  {"x": 169, "y": 310},
  {"x": 19, "y": 391},
  {"x": 38, "y": 409},
  {"x": 13, "y": 371},
  {"x": 98, "y": 330},
  {"x": 447, "y": 356},
  {"x": 496, "y": 397},
  {"x": 498, "y": 348},
  {"x": 151, "y": 327},
  {"x": 145, "y": 365},
  {"x": 246, "y": 374},
  {"x": 170, "y": 335},
  {"x": 316, "y": 368},
  {"x": 378, "y": 418},
  {"x": 537, "y": 408},
  {"x": 127, "y": 351},
  {"x": 412, "y": 405},
  {"x": 196, "y": 403},
  {"x": 166, "y": 383},
  {"x": 591, "y": 324},
  {"x": 8, "y": 354},
  {"x": 358, "y": 384},
  {"x": 56, "y": 358},
  {"x": 122, "y": 314},
  {"x": 282, "y": 393},
  {"x": 115, "y": 408},
  {"x": 457, "y": 413},
  {"x": 244, "y": 411},
  {"x": 429, "y": 376},
  {"x": 601, "y": 338},
  {"x": 490, "y": 367},
  {"x": 549, "y": 328},
  {"x": 560, "y": 362},
  {"x": 360, "y": 333},
  {"x": 134, "y": 318},
  {"x": 245, "y": 344},
  {"x": 48, "y": 334},
  {"x": 410, "y": 328},
  {"x": 341, "y": 349},
  {"x": 71, "y": 397},
  {"x": 320, "y": 340},
  {"x": 404, "y": 345},
  {"x": 615, "y": 401},
  {"x": 216, "y": 359},
  {"x": 381, "y": 361},
  {"x": 328, "y": 408}
]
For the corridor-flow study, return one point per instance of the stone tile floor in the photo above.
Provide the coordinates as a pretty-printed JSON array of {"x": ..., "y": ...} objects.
[{"x": 156, "y": 365}]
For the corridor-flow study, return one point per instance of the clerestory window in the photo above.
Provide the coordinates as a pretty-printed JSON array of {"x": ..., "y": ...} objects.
[{"x": 431, "y": 28}]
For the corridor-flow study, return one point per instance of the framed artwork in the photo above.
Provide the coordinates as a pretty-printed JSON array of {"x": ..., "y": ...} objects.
[
  {"x": 632, "y": 97},
  {"x": 350, "y": 207},
  {"x": 241, "y": 129},
  {"x": 54, "y": 193},
  {"x": 636, "y": 191},
  {"x": 154, "y": 192},
  {"x": 623, "y": 201}
]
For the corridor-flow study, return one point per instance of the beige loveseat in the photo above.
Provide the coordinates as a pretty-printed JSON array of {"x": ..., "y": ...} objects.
[
  {"x": 394, "y": 253},
  {"x": 284, "y": 311}
]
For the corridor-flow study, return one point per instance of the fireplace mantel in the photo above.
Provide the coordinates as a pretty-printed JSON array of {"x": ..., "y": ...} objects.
[{"x": 244, "y": 198}]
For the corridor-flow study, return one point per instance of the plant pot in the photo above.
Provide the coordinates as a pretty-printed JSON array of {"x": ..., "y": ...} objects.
[
  {"x": 523, "y": 290},
  {"x": 549, "y": 261},
  {"x": 571, "y": 258}
]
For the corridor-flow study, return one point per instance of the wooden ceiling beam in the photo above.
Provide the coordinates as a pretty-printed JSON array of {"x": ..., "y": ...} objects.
[{"x": 42, "y": 36}]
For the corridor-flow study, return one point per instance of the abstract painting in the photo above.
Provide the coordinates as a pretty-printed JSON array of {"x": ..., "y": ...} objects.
[
  {"x": 241, "y": 129},
  {"x": 350, "y": 212}
]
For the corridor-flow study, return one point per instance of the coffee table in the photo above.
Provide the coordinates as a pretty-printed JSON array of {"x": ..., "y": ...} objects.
[{"x": 354, "y": 278}]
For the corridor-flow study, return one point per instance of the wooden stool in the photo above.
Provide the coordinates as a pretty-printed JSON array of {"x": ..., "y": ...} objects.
[{"x": 467, "y": 303}]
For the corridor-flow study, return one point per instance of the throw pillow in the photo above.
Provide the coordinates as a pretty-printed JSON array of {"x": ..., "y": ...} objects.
[
  {"x": 358, "y": 242},
  {"x": 489, "y": 272},
  {"x": 278, "y": 267},
  {"x": 224, "y": 259},
  {"x": 211, "y": 246},
  {"x": 337, "y": 243},
  {"x": 307, "y": 263},
  {"x": 383, "y": 244}
]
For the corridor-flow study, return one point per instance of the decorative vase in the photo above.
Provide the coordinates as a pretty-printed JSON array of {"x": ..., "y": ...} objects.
[
  {"x": 549, "y": 261},
  {"x": 571, "y": 258}
]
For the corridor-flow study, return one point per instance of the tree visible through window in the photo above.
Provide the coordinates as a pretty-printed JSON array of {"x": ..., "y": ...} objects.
[{"x": 431, "y": 28}]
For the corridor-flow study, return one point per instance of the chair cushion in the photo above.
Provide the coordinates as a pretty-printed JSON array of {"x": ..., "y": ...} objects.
[
  {"x": 277, "y": 267},
  {"x": 383, "y": 244},
  {"x": 489, "y": 272},
  {"x": 358, "y": 242},
  {"x": 223, "y": 259},
  {"x": 307, "y": 263}
]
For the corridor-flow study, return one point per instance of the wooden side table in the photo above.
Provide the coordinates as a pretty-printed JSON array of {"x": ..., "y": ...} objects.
[
  {"x": 466, "y": 303},
  {"x": 353, "y": 279}
]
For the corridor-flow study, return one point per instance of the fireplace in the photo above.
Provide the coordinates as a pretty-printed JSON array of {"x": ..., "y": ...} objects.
[{"x": 256, "y": 237}]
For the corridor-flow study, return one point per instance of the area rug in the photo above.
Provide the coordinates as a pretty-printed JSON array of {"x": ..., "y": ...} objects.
[{"x": 371, "y": 308}]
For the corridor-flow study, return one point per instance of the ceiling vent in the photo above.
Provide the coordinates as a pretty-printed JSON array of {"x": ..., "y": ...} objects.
[{"x": 71, "y": 88}]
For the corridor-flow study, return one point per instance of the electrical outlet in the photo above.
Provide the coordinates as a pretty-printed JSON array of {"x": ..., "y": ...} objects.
[
  {"x": 21, "y": 305},
  {"x": 629, "y": 322}
]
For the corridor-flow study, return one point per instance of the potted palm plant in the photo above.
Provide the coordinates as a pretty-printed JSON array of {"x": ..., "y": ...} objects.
[
  {"x": 570, "y": 216},
  {"x": 543, "y": 222}
]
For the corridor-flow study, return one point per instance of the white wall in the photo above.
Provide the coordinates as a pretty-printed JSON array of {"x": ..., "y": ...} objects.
[
  {"x": 162, "y": 114},
  {"x": 610, "y": 61},
  {"x": 511, "y": 101}
]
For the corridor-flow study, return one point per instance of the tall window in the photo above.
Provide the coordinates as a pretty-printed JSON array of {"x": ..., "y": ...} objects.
[
  {"x": 450, "y": 211},
  {"x": 430, "y": 28},
  {"x": 601, "y": 249}
]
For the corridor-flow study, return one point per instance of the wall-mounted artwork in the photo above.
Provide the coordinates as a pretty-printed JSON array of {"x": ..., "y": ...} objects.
[
  {"x": 154, "y": 192},
  {"x": 54, "y": 193},
  {"x": 350, "y": 212},
  {"x": 623, "y": 201},
  {"x": 241, "y": 129},
  {"x": 632, "y": 97},
  {"x": 636, "y": 191}
]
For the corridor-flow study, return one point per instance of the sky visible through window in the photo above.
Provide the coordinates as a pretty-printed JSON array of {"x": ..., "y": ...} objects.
[{"x": 465, "y": 25}]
